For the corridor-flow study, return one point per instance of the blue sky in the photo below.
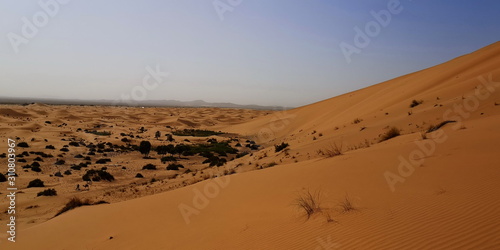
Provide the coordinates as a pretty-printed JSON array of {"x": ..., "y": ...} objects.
[{"x": 281, "y": 52}]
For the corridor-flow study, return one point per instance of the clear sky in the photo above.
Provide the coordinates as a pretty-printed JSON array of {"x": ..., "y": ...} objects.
[{"x": 268, "y": 52}]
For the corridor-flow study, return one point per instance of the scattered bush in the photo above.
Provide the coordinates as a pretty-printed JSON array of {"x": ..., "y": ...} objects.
[
  {"x": 36, "y": 169},
  {"x": 103, "y": 133},
  {"x": 139, "y": 175},
  {"x": 280, "y": 147},
  {"x": 36, "y": 183},
  {"x": 47, "y": 192},
  {"x": 215, "y": 161},
  {"x": 60, "y": 162},
  {"x": 196, "y": 133},
  {"x": 167, "y": 158},
  {"x": 415, "y": 103},
  {"x": 72, "y": 204},
  {"x": 241, "y": 154},
  {"x": 58, "y": 174},
  {"x": 23, "y": 145},
  {"x": 97, "y": 175},
  {"x": 103, "y": 161},
  {"x": 67, "y": 172},
  {"x": 3, "y": 178},
  {"x": 391, "y": 133},
  {"x": 174, "y": 166},
  {"x": 149, "y": 167},
  {"x": 49, "y": 147}
]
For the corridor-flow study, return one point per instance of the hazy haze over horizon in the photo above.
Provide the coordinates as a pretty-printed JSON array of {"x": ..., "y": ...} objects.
[{"x": 267, "y": 53}]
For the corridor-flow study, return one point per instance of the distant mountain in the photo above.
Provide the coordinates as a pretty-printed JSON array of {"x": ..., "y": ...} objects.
[{"x": 147, "y": 103}]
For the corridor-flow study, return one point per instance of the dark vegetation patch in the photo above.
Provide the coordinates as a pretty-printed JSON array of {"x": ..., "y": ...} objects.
[
  {"x": 98, "y": 175},
  {"x": 280, "y": 147},
  {"x": 196, "y": 132},
  {"x": 47, "y": 192}
]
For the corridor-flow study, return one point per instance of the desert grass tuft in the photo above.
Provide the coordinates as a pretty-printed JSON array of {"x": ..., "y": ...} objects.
[
  {"x": 391, "y": 133},
  {"x": 332, "y": 150},
  {"x": 309, "y": 202},
  {"x": 346, "y": 205},
  {"x": 72, "y": 204}
]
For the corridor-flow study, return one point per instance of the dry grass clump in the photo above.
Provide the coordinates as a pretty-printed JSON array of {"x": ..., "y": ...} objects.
[
  {"x": 391, "y": 133},
  {"x": 332, "y": 150},
  {"x": 346, "y": 205},
  {"x": 72, "y": 204},
  {"x": 356, "y": 121},
  {"x": 415, "y": 103},
  {"x": 309, "y": 202},
  {"x": 77, "y": 202}
]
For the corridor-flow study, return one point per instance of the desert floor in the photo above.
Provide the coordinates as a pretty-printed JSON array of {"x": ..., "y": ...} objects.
[{"x": 411, "y": 163}]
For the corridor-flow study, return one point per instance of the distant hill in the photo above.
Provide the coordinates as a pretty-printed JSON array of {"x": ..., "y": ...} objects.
[{"x": 147, "y": 103}]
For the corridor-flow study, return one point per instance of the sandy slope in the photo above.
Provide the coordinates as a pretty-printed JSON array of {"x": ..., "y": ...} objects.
[{"x": 445, "y": 197}]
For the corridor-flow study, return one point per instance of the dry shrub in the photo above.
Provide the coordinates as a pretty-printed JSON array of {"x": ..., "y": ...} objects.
[
  {"x": 332, "y": 150},
  {"x": 346, "y": 205},
  {"x": 72, "y": 204},
  {"x": 309, "y": 202},
  {"x": 391, "y": 133}
]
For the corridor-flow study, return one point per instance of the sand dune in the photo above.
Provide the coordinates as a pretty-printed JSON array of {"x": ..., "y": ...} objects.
[{"x": 419, "y": 190}]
